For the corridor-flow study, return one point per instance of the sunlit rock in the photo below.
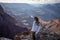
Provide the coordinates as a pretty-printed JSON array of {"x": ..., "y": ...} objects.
[
  {"x": 24, "y": 20},
  {"x": 25, "y": 23}
]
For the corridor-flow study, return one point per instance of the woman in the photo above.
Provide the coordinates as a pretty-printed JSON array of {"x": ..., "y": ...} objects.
[{"x": 36, "y": 27}]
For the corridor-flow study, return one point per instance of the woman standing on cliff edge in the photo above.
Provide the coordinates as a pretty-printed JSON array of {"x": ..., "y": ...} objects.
[{"x": 36, "y": 27}]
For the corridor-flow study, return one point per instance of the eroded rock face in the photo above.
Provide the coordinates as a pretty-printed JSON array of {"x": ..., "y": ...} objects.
[
  {"x": 7, "y": 25},
  {"x": 51, "y": 25},
  {"x": 55, "y": 26}
]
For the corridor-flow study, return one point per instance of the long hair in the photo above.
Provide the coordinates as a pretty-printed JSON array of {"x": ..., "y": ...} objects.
[{"x": 37, "y": 20}]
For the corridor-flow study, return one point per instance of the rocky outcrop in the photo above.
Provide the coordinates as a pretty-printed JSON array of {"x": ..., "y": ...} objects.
[{"x": 52, "y": 25}]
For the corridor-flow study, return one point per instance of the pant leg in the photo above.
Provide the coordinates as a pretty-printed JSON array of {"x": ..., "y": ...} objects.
[
  {"x": 38, "y": 36},
  {"x": 33, "y": 35}
]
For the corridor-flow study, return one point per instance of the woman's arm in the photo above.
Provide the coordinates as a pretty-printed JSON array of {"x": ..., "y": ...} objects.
[
  {"x": 38, "y": 30},
  {"x": 33, "y": 26}
]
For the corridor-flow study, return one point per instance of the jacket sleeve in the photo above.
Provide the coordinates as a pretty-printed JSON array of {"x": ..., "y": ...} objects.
[
  {"x": 33, "y": 26},
  {"x": 38, "y": 30}
]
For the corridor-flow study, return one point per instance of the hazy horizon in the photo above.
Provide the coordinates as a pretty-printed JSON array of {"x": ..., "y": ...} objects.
[{"x": 31, "y": 1}]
